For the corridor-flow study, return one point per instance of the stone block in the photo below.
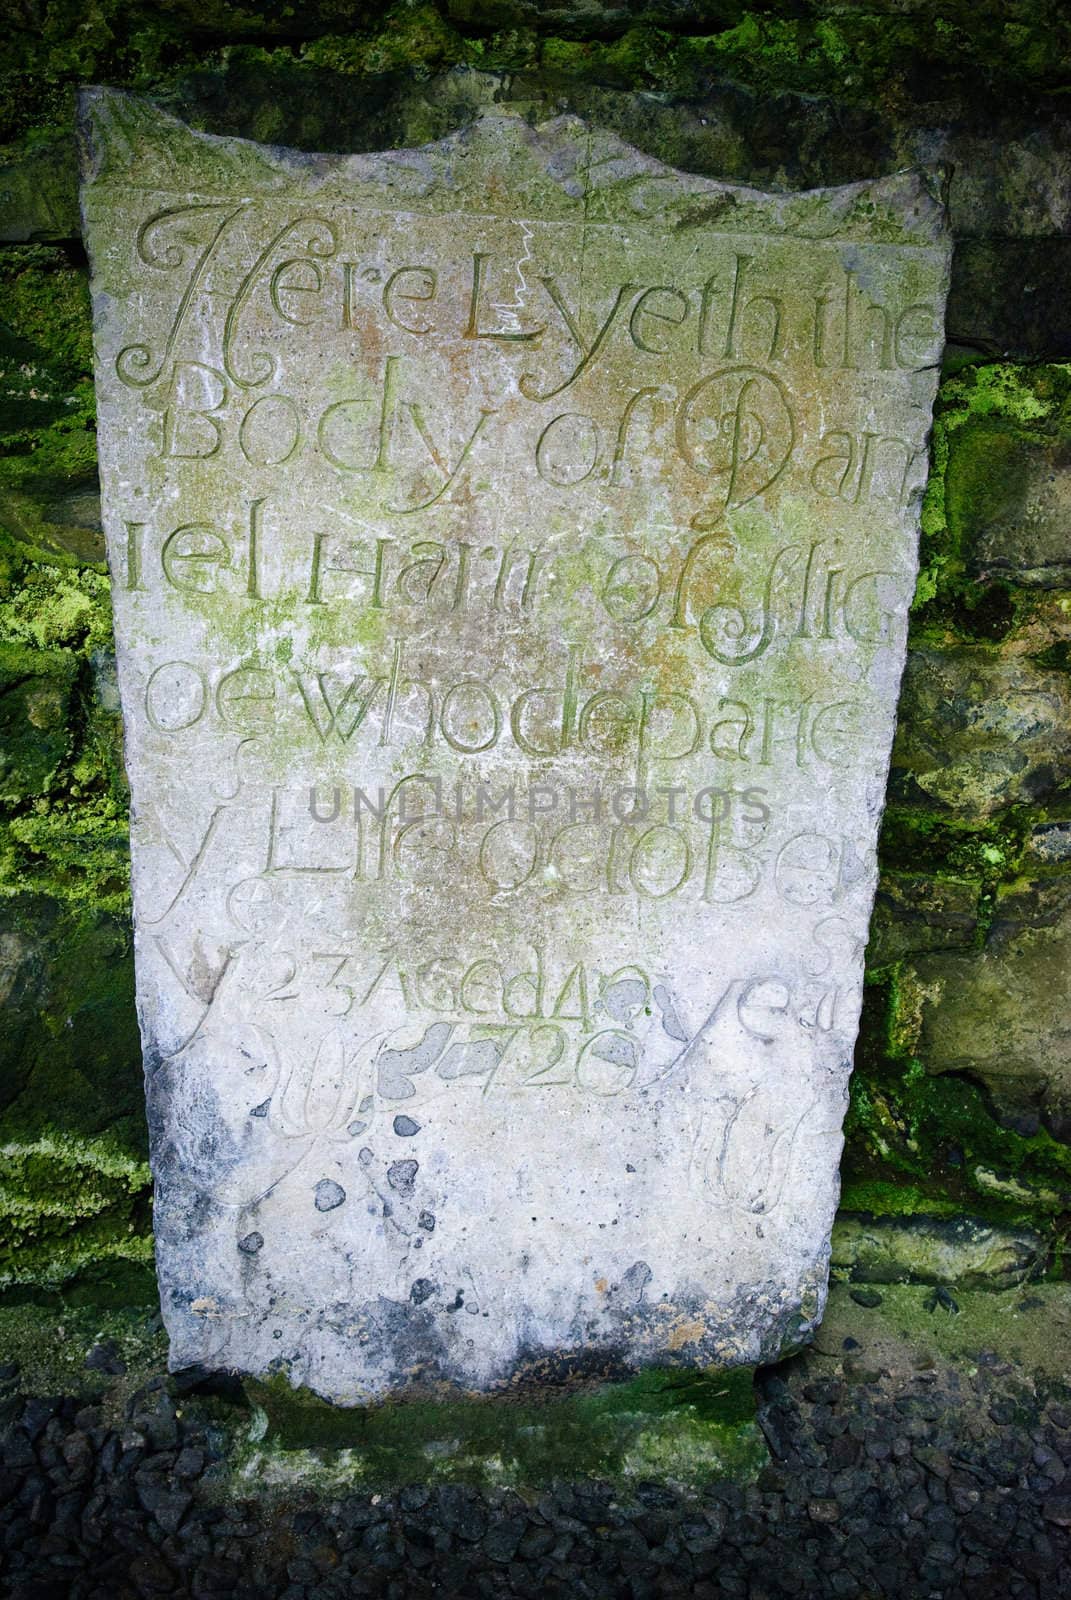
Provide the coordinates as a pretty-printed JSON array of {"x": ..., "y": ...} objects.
[
  {"x": 1009, "y": 297},
  {"x": 1050, "y": 842},
  {"x": 917, "y": 913},
  {"x": 963, "y": 1251},
  {"x": 980, "y": 732},
  {"x": 56, "y": 517},
  {"x": 1009, "y": 502},
  {"x": 1000, "y": 1014},
  {"x": 39, "y": 194},
  {"x": 35, "y": 696},
  {"x": 512, "y": 543}
]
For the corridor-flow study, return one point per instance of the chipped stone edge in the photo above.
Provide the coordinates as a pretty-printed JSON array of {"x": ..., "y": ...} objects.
[{"x": 906, "y": 208}]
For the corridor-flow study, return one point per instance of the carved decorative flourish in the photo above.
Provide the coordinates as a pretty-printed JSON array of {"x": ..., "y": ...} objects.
[{"x": 164, "y": 243}]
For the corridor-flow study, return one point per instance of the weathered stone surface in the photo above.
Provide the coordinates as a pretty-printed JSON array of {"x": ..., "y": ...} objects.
[
  {"x": 1044, "y": 631},
  {"x": 35, "y": 689},
  {"x": 1027, "y": 905},
  {"x": 39, "y": 195},
  {"x": 1050, "y": 842},
  {"x": 1001, "y": 1014},
  {"x": 1008, "y": 182},
  {"x": 1014, "y": 492},
  {"x": 918, "y": 1249},
  {"x": 980, "y": 732},
  {"x": 912, "y": 912},
  {"x": 58, "y": 518},
  {"x": 1009, "y": 297},
  {"x": 518, "y": 465}
]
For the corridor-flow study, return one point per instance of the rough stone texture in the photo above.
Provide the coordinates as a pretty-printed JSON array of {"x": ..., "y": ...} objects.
[
  {"x": 1000, "y": 1014},
  {"x": 915, "y": 913},
  {"x": 1008, "y": 173},
  {"x": 1009, "y": 297},
  {"x": 981, "y": 731},
  {"x": 35, "y": 687},
  {"x": 1026, "y": 534},
  {"x": 1051, "y": 843},
  {"x": 939, "y": 1250},
  {"x": 1009, "y": 495},
  {"x": 519, "y": 463}
]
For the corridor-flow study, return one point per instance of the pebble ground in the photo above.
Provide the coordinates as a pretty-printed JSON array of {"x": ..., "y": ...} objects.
[{"x": 952, "y": 1482}]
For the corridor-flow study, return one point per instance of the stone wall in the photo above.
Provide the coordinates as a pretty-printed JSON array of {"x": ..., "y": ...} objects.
[{"x": 959, "y": 1149}]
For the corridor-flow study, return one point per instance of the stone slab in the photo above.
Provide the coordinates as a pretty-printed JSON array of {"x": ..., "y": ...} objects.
[{"x": 512, "y": 543}]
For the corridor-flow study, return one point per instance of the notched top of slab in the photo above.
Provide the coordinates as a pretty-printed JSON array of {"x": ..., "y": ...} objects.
[{"x": 563, "y": 170}]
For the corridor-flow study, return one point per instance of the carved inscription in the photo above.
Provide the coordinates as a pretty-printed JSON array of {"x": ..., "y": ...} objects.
[{"x": 510, "y": 606}]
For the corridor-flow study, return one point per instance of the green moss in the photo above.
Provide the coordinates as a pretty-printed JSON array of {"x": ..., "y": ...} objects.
[
  {"x": 985, "y": 858},
  {"x": 35, "y": 690},
  {"x": 68, "y": 1033},
  {"x": 46, "y": 307},
  {"x": 883, "y": 1198},
  {"x": 65, "y": 1204},
  {"x": 76, "y": 850},
  {"x": 73, "y": 1179},
  {"x": 684, "y": 1426},
  {"x": 936, "y": 1137},
  {"x": 47, "y": 1335},
  {"x": 1025, "y": 1325},
  {"x": 66, "y": 834},
  {"x": 987, "y": 855},
  {"x": 639, "y": 58},
  {"x": 74, "y": 1183},
  {"x": 984, "y": 417},
  {"x": 914, "y": 840},
  {"x": 413, "y": 39},
  {"x": 47, "y": 607},
  {"x": 857, "y": 55},
  {"x": 48, "y": 467},
  {"x": 56, "y": 456}
]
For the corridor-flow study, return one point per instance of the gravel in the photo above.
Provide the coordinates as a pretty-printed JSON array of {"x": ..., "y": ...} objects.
[{"x": 933, "y": 1485}]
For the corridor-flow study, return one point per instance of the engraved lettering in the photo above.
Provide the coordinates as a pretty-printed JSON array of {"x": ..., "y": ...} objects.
[{"x": 411, "y": 285}]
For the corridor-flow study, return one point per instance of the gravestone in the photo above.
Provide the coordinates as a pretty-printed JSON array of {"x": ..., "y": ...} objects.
[{"x": 512, "y": 543}]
